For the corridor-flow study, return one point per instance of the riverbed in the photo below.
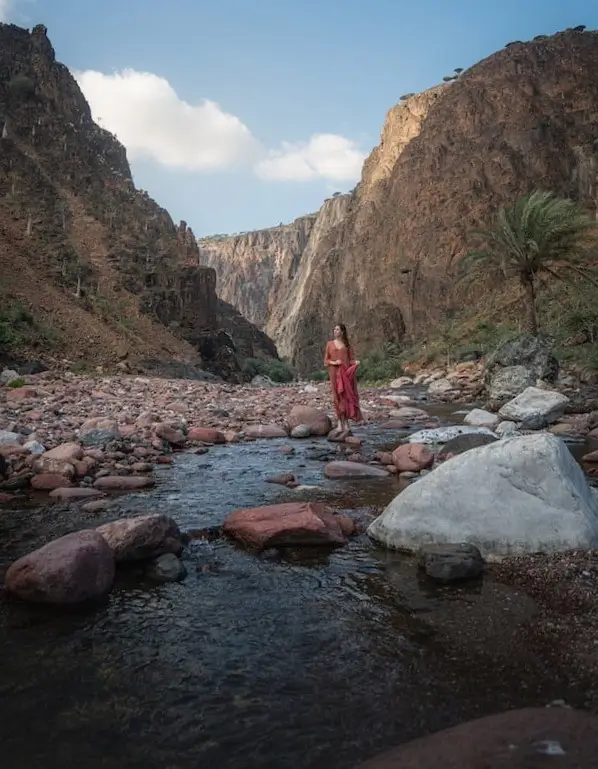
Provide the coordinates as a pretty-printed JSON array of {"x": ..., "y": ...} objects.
[{"x": 307, "y": 658}]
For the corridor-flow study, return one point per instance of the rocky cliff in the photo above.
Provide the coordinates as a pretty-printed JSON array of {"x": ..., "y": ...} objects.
[
  {"x": 97, "y": 266},
  {"x": 522, "y": 119}
]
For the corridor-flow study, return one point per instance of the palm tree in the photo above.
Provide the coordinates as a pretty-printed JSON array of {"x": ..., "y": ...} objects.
[{"x": 538, "y": 234}]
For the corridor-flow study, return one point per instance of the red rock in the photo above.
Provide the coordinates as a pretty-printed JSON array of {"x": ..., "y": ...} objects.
[
  {"x": 591, "y": 457},
  {"x": 517, "y": 739},
  {"x": 205, "y": 435},
  {"x": 169, "y": 434},
  {"x": 75, "y": 492},
  {"x": 49, "y": 482},
  {"x": 163, "y": 460},
  {"x": 141, "y": 467},
  {"x": 353, "y": 440},
  {"x": 123, "y": 482},
  {"x": 96, "y": 505},
  {"x": 385, "y": 457},
  {"x": 285, "y": 525},
  {"x": 65, "y": 452},
  {"x": 353, "y": 470},
  {"x": 282, "y": 480},
  {"x": 317, "y": 420},
  {"x": 412, "y": 457},
  {"x": 81, "y": 468},
  {"x": 265, "y": 431},
  {"x": 21, "y": 393},
  {"x": 69, "y": 570},
  {"x": 135, "y": 539},
  {"x": 231, "y": 436}
]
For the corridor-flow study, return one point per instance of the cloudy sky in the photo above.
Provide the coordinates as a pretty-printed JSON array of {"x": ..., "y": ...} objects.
[{"x": 239, "y": 114}]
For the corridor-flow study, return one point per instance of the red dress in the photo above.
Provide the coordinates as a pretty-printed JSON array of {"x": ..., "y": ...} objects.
[{"x": 342, "y": 382}]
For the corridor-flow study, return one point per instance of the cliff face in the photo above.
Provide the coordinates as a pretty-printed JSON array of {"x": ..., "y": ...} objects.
[
  {"x": 525, "y": 118},
  {"x": 84, "y": 251}
]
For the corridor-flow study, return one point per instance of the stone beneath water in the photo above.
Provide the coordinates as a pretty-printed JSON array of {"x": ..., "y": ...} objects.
[
  {"x": 449, "y": 563},
  {"x": 519, "y": 495},
  {"x": 167, "y": 568},
  {"x": 445, "y": 434},
  {"x": 529, "y": 738},
  {"x": 287, "y": 525},
  {"x": 73, "y": 569}
]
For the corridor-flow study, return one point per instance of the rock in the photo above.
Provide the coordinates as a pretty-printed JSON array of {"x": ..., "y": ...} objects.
[
  {"x": 445, "y": 434},
  {"x": 70, "y": 570},
  {"x": 33, "y": 447},
  {"x": 535, "y": 406},
  {"x": 65, "y": 452},
  {"x": 97, "y": 437},
  {"x": 136, "y": 539},
  {"x": 506, "y": 383},
  {"x": 340, "y": 469},
  {"x": 9, "y": 375},
  {"x": 167, "y": 568},
  {"x": 451, "y": 562},
  {"x": 530, "y": 738},
  {"x": 440, "y": 388},
  {"x": 64, "y": 493},
  {"x": 506, "y": 429},
  {"x": 169, "y": 434},
  {"x": 481, "y": 418},
  {"x": 409, "y": 413},
  {"x": 282, "y": 479},
  {"x": 262, "y": 381},
  {"x": 265, "y": 431},
  {"x": 205, "y": 435},
  {"x": 400, "y": 382},
  {"x": 461, "y": 443},
  {"x": 96, "y": 505},
  {"x": 46, "y": 464},
  {"x": 9, "y": 437},
  {"x": 98, "y": 426},
  {"x": 49, "y": 482},
  {"x": 412, "y": 457},
  {"x": 519, "y": 495},
  {"x": 301, "y": 431},
  {"x": 285, "y": 525},
  {"x": 531, "y": 352},
  {"x": 312, "y": 389},
  {"x": 123, "y": 482},
  {"x": 591, "y": 457},
  {"x": 316, "y": 419},
  {"x": 21, "y": 393}
]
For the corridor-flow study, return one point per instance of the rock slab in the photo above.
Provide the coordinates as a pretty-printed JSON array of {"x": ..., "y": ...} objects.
[
  {"x": 520, "y": 495},
  {"x": 535, "y": 405}
]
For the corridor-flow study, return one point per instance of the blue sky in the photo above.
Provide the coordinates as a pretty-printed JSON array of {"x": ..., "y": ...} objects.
[{"x": 239, "y": 114}]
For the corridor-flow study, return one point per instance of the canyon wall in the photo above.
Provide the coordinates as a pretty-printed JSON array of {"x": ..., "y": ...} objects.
[
  {"x": 525, "y": 118},
  {"x": 85, "y": 254}
]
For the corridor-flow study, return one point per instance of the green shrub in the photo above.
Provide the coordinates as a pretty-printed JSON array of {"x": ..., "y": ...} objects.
[
  {"x": 381, "y": 364},
  {"x": 16, "y": 383},
  {"x": 274, "y": 369},
  {"x": 318, "y": 376}
]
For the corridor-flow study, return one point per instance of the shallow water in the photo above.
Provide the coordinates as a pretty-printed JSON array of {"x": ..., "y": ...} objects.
[{"x": 310, "y": 659}]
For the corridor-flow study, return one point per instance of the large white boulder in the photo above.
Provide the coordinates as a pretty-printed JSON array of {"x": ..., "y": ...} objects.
[
  {"x": 520, "y": 495},
  {"x": 535, "y": 404}
]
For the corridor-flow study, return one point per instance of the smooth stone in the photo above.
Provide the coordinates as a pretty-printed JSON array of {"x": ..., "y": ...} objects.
[
  {"x": 167, "y": 568},
  {"x": 451, "y": 562},
  {"x": 342, "y": 469}
]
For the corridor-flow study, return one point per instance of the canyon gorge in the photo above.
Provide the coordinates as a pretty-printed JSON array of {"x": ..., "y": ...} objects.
[{"x": 383, "y": 258}]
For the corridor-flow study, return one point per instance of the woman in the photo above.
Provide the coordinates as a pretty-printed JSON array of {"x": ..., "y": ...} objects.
[{"x": 341, "y": 367}]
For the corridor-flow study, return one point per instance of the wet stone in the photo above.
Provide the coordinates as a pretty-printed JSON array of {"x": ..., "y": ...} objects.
[{"x": 451, "y": 562}]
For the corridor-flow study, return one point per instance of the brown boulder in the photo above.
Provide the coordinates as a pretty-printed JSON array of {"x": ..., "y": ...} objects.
[
  {"x": 316, "y": 419},
  {"x": 49, "y": 482},
  {"x": 123, "y": 482},
  {"x": 530, "y": 738},
  {"x": 206, "y": 435},
  {"x": 135, "y": 539},
  {"x": 285, "y": 525},
  {"x": 169, "y": 434},
  {"x": 69, "y": 570},
  {"x": 65, "y": 452},
  {"x": 412, "y": 457}
]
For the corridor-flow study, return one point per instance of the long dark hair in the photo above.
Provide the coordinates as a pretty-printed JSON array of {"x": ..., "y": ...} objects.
[{"x": 344, "y": 335}]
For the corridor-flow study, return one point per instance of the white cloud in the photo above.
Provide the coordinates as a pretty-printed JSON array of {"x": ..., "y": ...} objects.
[
  {"x": 149, "y": 118},
  {"x": 153, "y": 122},
  {"x": 324, "y": 156}
]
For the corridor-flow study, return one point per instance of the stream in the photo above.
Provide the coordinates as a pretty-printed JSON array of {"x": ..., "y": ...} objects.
[{"x": 312, "y": 659}]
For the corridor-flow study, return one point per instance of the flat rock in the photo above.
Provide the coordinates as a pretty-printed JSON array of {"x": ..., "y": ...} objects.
[
  {"x": 530, "y": 738},
  {"x": 286, "y": 525},
  {"x": 74, "y": 492},
  {"x": 520, "y": 495},
  {"x": 265, "y": 431},
  {"x": 445, "y": 434},
  {"x": 137, "y": 539},
  {"x": 75, "y": 568},
  {"x": 65, "y": 452},
  {"x": 481, "y": 418},
  {"x": 535, "y": 405},
  {"x": 206, "y": 435},
  {"x": 451, "y": 562},
  {"x": 49, "y": 482},
  {"x": 123, "y": 482},
  {"x": 341, "y": 469}
]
